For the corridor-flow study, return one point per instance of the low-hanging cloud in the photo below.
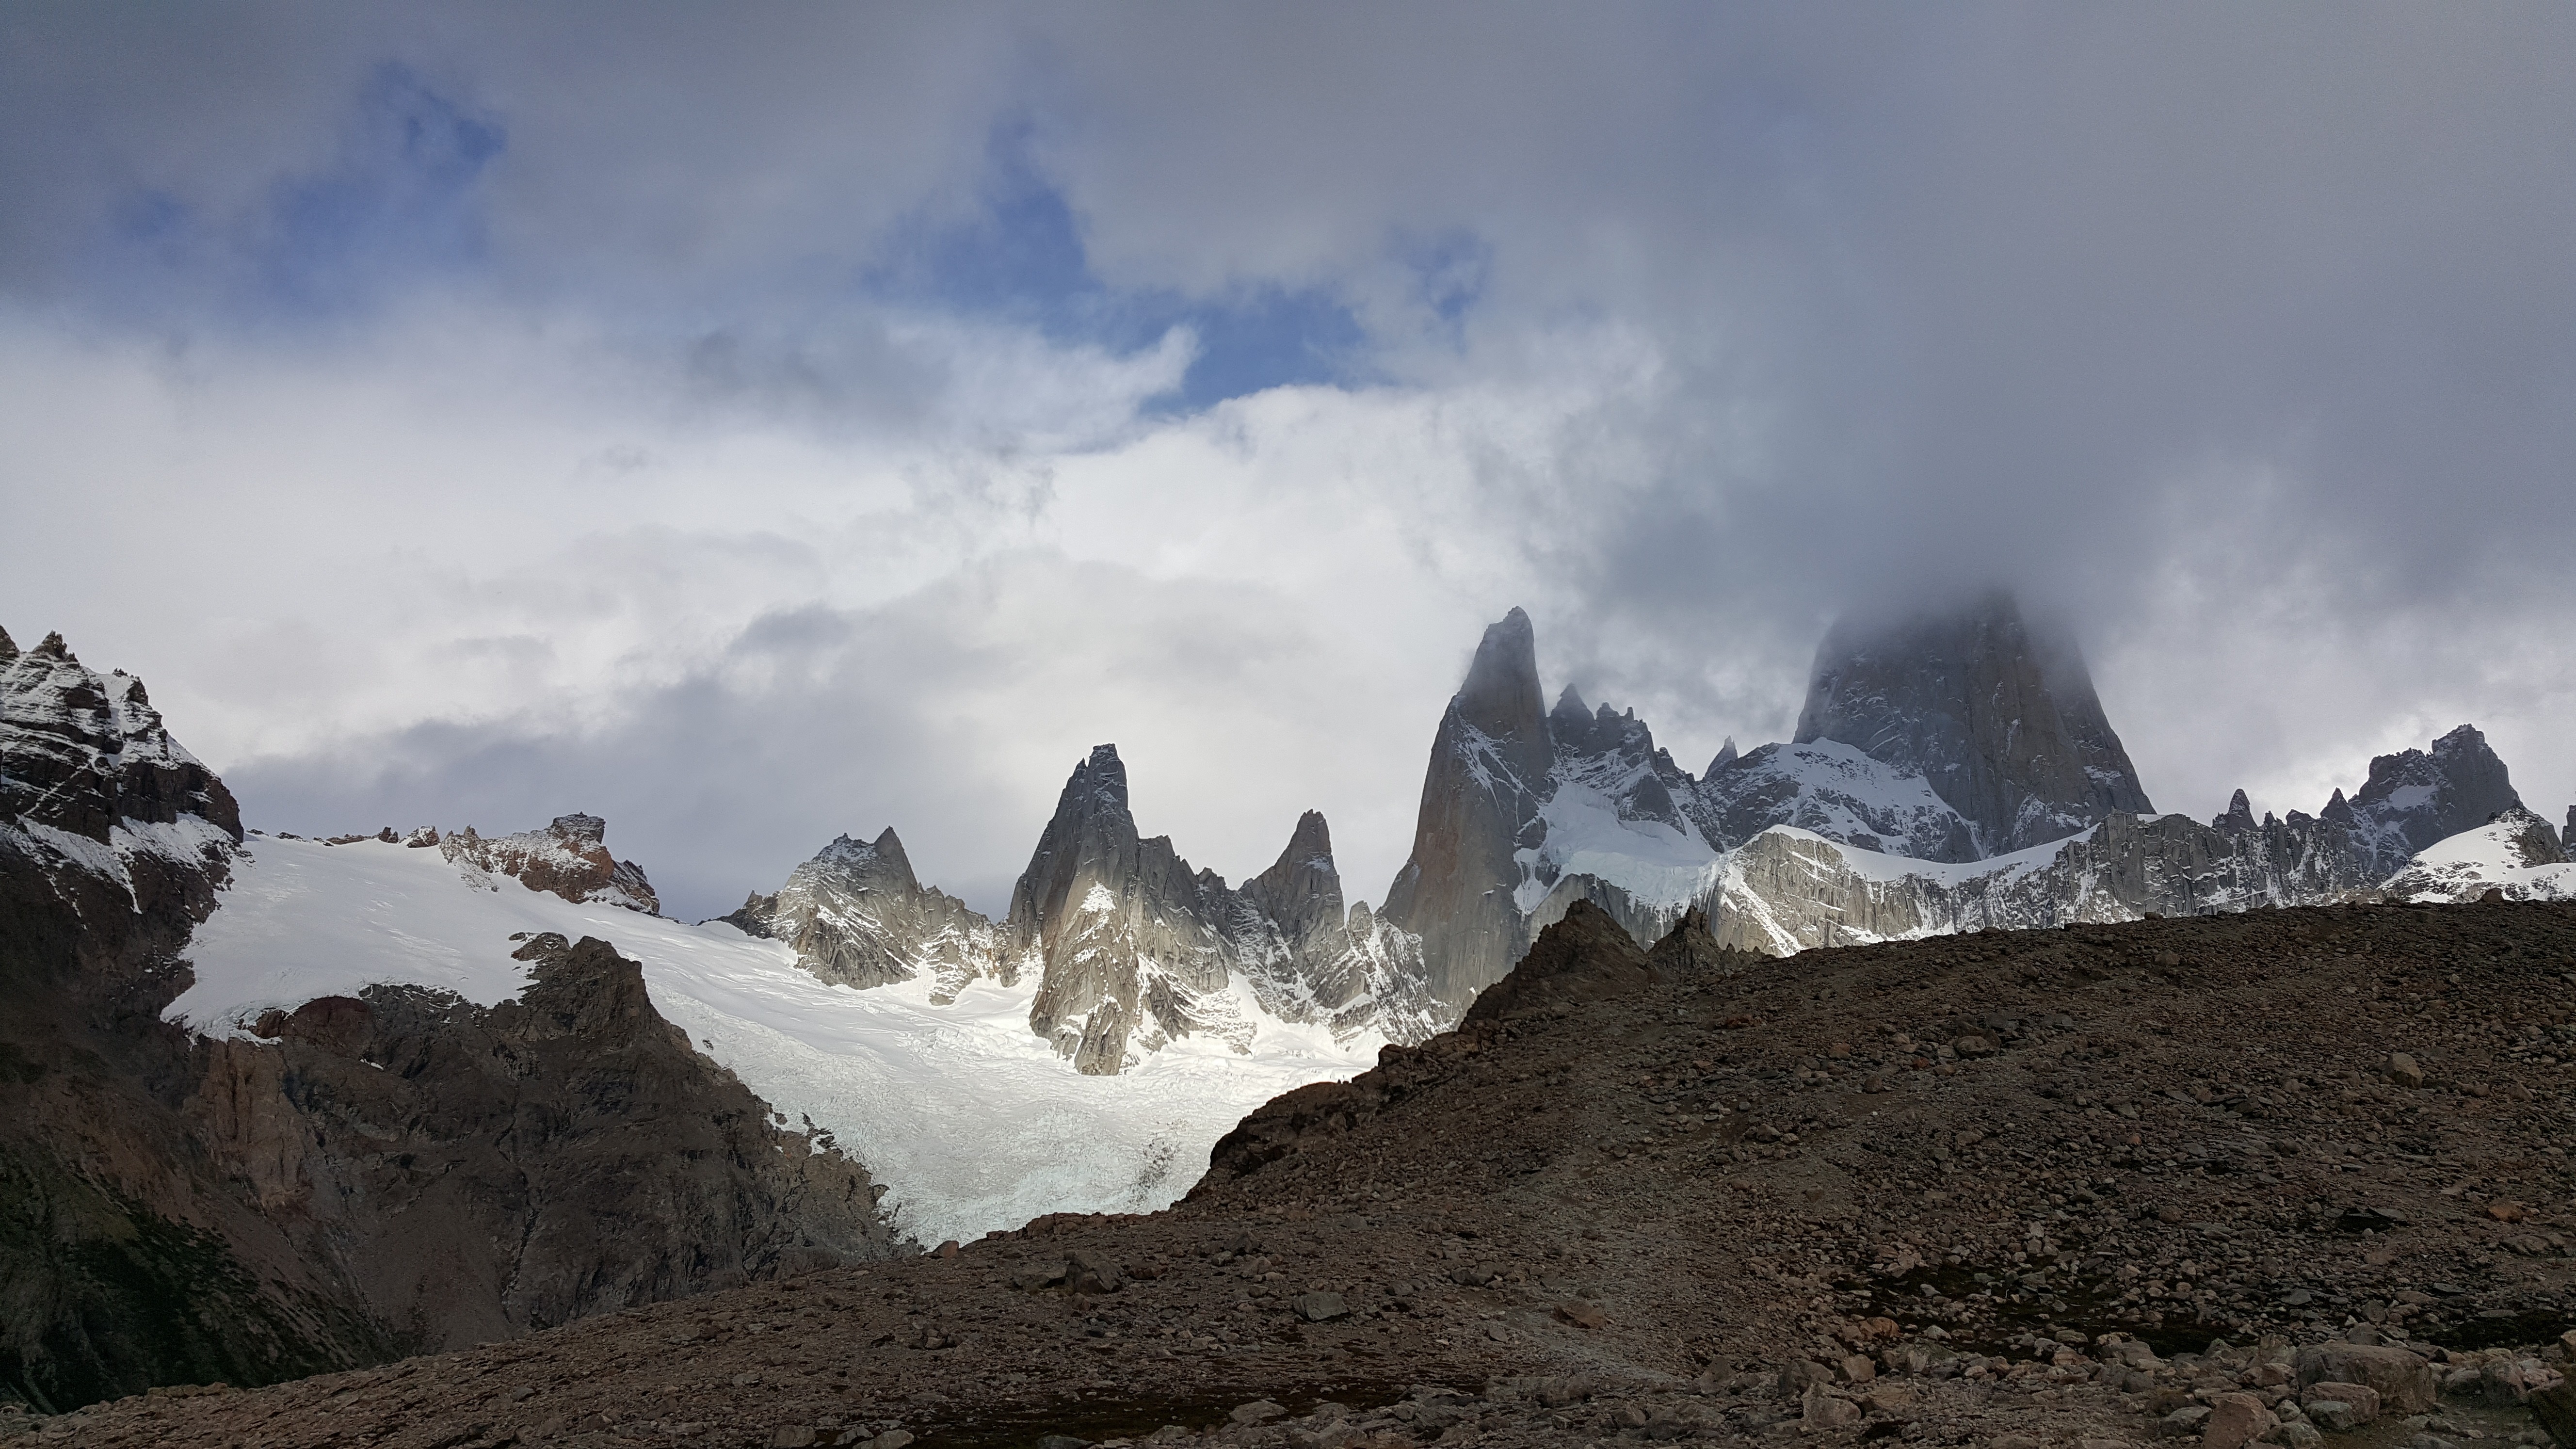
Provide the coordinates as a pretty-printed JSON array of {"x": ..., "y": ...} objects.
[{"x": 502, "y": 406}]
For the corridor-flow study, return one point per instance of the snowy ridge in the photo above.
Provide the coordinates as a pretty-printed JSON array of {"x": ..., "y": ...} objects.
[
  {"x": 855, "y": 914},
  {"x": 191, "y": 842},
  {"x": 2516, "y": 853},
  {"x": 1921, "y": 745},
  {"x": 91, "y": 780},
  {"x": 975, "y": 1123},
  {"x": 1834, "y": 790}
]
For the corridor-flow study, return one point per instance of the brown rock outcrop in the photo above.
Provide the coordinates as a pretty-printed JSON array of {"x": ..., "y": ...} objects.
[
  {"x": 569, "y": 858},
  {"x": 1585, "y": 956}
]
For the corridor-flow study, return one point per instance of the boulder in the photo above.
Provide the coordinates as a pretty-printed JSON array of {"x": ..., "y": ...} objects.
[
  {"x": 2404, "y": 1382},
  {"x": 2338, "y": 1407},
  {"x": 2556, "y": 1411},
  {"x": 1319, "y": 1307},
  {"x": 1086, "y": 1271},
  {"x": 1824, "y": 1409},
  {"x": 2236, "y": 1420}
]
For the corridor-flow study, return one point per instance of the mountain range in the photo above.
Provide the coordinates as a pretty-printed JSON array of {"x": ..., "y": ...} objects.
[{"x": 275, "y": 1103}]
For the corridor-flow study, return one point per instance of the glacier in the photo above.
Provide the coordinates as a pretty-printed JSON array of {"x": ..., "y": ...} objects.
[{"x": 973, "y": 1122}]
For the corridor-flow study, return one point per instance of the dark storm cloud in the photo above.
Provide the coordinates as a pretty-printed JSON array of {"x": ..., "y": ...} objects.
[{"x": 2243, "y": 336}]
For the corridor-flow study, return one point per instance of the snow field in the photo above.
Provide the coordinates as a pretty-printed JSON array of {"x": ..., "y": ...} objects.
[{"x": 971, "y": 1121}]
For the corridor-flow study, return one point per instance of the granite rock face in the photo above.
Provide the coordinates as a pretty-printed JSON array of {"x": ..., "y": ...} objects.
[
  {"x": 856, "y": 915},
  {"x": 1490, "y": 774},
  {"x": 569, "y": 858},
  {"x": 2416, "y": 797},
  {"x": 384, "y": 1174},
  {"x": 1127, "y": 939},
  {"x": 1301, "y": 892},
  {"x": 1134, "y": 949},
  {"x": 2005, "y": 727}
]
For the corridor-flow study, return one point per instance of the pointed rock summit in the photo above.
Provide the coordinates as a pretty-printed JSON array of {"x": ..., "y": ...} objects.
[
  {"x": 2416, "y": 797},
  {"x": 857, "y": 916},
  {"x": 2005, "y": 726},
  {"x": 1135, "y": 949},
  {"x": 1301, "y": 891},
  {"x": 1489, "y": 776},
  {"x": 86, "y": 752},
  {"x": 2238, "y": 816},
  {"x": 1725, "y": 756}
]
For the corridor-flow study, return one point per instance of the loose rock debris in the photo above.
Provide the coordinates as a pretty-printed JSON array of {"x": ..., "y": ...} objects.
[{"x": 2295, "y": 1177}]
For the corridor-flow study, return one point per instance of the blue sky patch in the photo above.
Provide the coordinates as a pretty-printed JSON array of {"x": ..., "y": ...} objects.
[{"x": 1021, "y": 259}]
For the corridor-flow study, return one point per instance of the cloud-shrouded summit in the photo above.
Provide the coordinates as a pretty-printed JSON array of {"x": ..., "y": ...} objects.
[{"x": 760, "y": 429}]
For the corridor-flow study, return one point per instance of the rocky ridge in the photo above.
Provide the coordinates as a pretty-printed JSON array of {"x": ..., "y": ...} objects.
[
  {"x": 1881, "y": 821},
  {"x": 2416, "y": 797},
  {"x": 379, "y": 1176},
  {"x": 856, "y": 915},
  {"x": 569, "y": 858},
  {"x": 2273, "y": 1175},
  {"x": 1129, "y": 947},
  {"x": 2516, "y": 854}
]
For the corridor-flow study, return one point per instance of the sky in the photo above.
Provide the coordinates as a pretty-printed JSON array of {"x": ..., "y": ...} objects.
[{"x": 757, "y": 423}]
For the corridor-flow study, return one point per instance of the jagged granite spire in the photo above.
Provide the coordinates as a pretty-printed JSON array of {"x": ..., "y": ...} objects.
[
  {"x": 2005, "y": 725},
  {"x": 1489, "y": 775},
  {"x": 856, "y": 915},
  {"x": 2239, "y": 814},
  {"x": 1302, "y": 891},
  {"x": 1725, "y": 756}
]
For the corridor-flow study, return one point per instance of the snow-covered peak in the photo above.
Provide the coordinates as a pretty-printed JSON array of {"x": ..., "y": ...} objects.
[
  {"x": 1833, "y": 790},
  {"x": 91, "y": 782},
  {"x": 1724, "y": 757},
  {"x": 2516, "y": 853}
]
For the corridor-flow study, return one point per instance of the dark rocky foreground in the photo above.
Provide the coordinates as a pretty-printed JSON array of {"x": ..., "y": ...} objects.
[{"x": 2011, "y": 1189}]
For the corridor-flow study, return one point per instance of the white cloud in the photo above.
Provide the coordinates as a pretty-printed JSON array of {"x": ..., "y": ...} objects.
[{"x": 655, "y": 500}]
